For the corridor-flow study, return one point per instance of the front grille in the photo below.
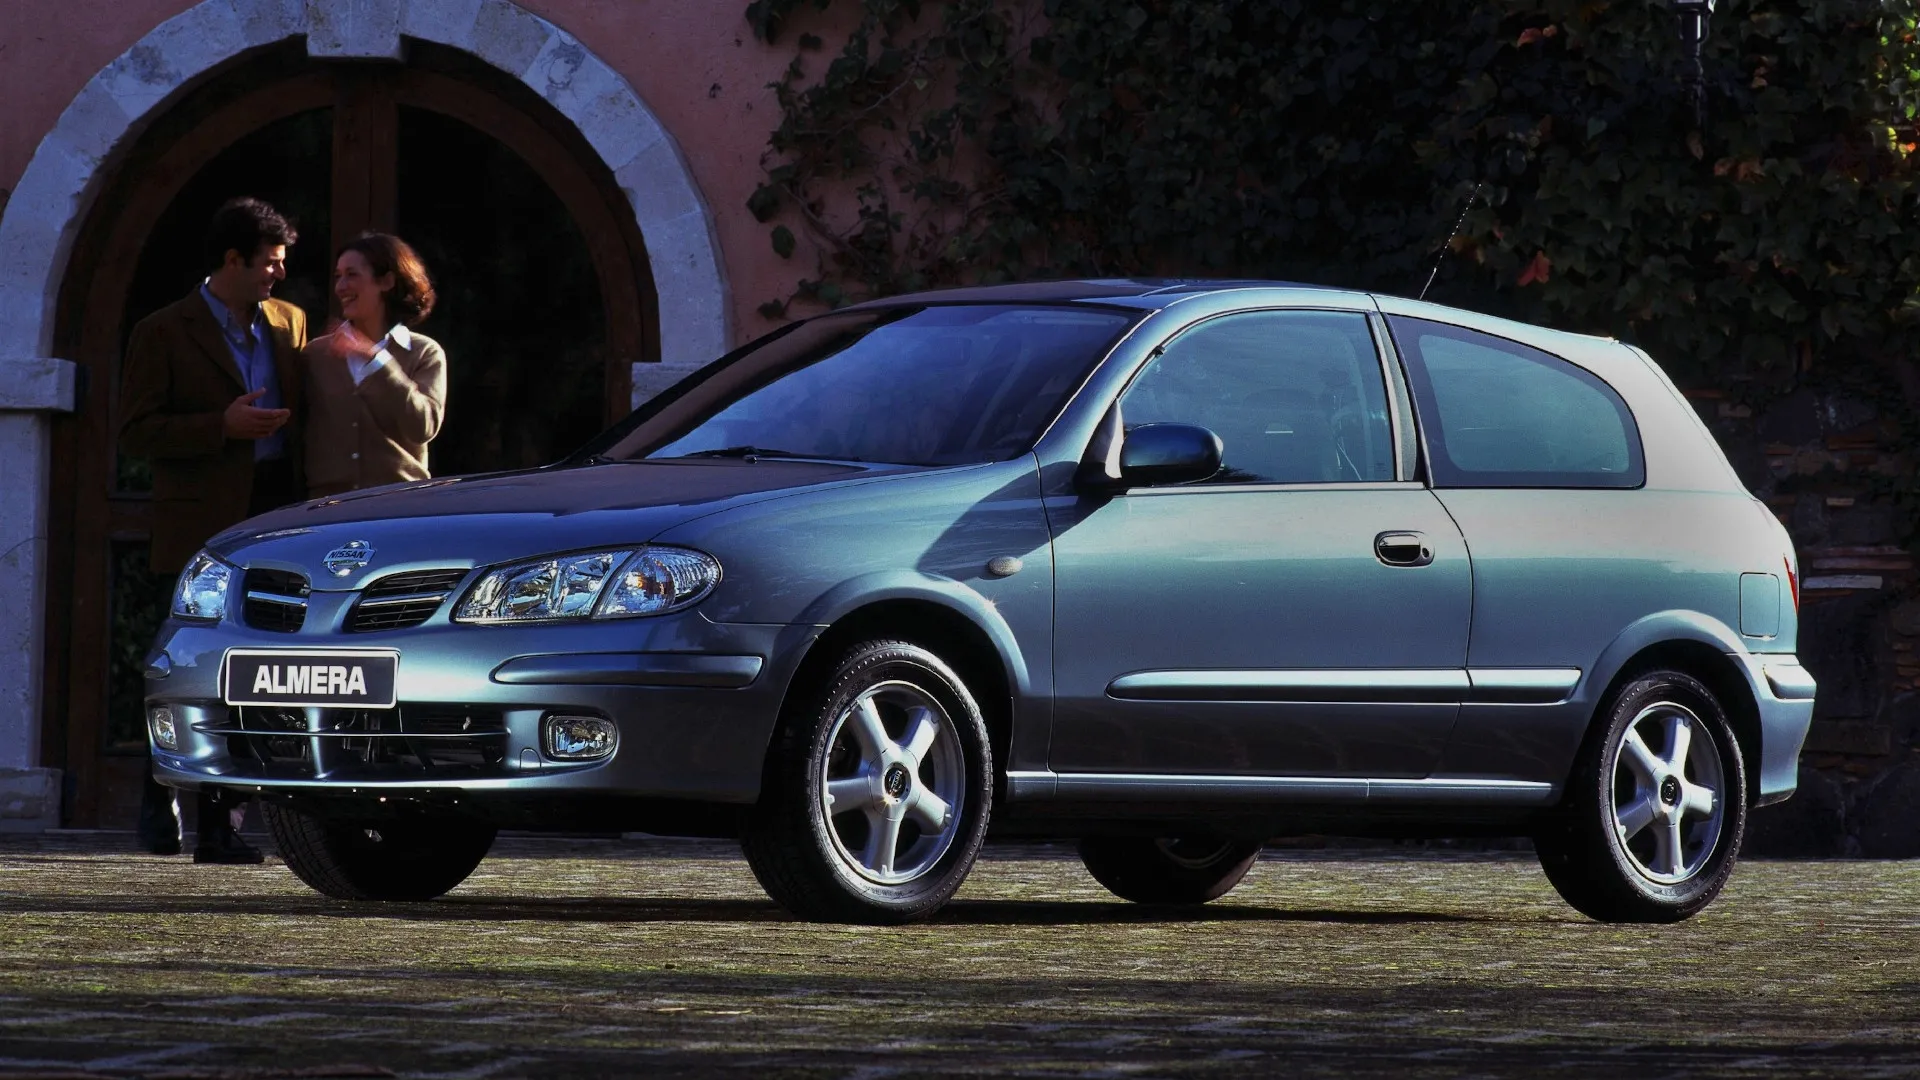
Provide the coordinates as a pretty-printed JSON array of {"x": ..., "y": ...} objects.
[
  {"x": 398, "y": 601},
  {"x": 424, "y": 741},
  {"x": 276, "y": 600}
]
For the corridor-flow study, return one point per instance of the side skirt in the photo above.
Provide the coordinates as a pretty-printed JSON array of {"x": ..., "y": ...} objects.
[{"x": 1046, "y": 785}]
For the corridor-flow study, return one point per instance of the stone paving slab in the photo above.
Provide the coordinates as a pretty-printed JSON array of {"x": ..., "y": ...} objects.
[{"x": 617, "y": 958}]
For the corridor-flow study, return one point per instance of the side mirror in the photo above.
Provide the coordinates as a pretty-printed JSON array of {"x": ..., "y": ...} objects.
[{"x": 1156, "y": 454}]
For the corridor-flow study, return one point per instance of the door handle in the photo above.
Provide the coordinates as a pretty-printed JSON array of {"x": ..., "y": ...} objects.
[{"x": 1403, "y": 548}]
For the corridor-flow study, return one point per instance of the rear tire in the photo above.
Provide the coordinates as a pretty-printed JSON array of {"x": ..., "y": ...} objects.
[
  {"x": 877, "y": 791},
  {"x": 417, "y": 859},
  {"x": 1650, "y": 825},
  {"x": 1168, "y": 870}
]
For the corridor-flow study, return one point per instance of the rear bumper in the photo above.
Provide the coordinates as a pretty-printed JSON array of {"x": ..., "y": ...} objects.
[{"x": 1783, "y": 691}]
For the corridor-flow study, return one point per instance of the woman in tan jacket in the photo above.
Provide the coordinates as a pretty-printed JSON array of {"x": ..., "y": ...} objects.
[{"x": 376, "y": 388}]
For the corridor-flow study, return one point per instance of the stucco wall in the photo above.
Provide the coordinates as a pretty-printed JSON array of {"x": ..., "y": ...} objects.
[
  {"x": 694, "y": 63},
  {"x": 48, "y": 51}
]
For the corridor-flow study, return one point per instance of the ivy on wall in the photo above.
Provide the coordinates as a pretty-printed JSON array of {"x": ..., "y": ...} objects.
[
  {"x": 902, "y": 116},
  {"x": 1337, "y": 141}
]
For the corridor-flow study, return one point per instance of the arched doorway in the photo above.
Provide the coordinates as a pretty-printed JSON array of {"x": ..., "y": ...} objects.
[{"x": 547, "y": 301}]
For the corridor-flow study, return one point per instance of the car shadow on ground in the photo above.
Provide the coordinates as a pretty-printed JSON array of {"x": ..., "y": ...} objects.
[
  {"x": 1088, "y": 913},
  {"x": 592, "y": 909}
]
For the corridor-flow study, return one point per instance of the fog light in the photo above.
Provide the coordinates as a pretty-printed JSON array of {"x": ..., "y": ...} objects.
[
  {"x": 165, "y": 735},
  {"x": 579, "y": 738}
]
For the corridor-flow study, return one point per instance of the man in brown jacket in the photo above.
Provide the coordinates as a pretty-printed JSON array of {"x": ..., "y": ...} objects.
[{"x": 210, "y": 395}]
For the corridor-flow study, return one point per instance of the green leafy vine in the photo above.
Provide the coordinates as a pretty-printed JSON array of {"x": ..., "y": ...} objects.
[{"x": 1336, "y": 141}]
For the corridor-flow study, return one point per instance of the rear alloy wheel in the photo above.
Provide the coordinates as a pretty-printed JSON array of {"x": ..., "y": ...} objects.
[
  {"x": 1651, "y": 823},
  {"x": 1168, "y": 870},
  {"x": 877, "y": 791},
  {"x": 405, "y": 859}
]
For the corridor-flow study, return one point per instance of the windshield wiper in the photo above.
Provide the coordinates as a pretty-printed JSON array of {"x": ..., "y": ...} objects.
[
  {"x": 743, "y": 452},
  {"x": 751, "y": 452}
]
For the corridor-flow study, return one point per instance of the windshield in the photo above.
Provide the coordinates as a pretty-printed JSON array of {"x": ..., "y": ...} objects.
[{"x": 947, "y": 385}]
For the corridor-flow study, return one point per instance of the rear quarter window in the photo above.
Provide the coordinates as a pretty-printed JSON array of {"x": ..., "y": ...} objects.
[{"x": 1496, "y": 413}]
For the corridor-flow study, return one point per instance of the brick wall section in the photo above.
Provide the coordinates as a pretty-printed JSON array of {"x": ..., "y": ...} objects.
[{"x": 1821, "y": 461}]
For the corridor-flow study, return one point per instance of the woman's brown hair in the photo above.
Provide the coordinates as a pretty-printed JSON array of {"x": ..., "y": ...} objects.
[{"x": 410, "y": 300}]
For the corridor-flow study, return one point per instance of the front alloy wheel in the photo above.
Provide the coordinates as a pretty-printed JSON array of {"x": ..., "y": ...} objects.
[
  {"x": 1651, "y": 822},
  {"x": 893, "y": 803},
  {"x": 877, "y": 790}
]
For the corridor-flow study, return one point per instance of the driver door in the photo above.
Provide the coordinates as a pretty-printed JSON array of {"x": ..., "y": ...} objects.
[{"x": 1253, "y": 624}]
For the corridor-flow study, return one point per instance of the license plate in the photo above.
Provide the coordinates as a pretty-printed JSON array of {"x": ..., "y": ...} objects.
[{"x": 351, "y": 678}]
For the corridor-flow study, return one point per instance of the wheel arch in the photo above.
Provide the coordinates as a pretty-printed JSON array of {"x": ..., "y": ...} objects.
[
  {"x": 940, "y": 614},
  {"x": 1696, "y": 645}
]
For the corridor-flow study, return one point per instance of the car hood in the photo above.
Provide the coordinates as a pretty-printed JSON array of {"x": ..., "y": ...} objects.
[{"x": 469, "y": 521}]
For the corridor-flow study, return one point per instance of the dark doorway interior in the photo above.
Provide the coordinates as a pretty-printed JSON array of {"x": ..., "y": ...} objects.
[{"x": 519, "y": 312}]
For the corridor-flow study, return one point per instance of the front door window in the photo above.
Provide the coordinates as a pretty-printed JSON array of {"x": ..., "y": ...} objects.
[{"x": 1296, "y": 397}]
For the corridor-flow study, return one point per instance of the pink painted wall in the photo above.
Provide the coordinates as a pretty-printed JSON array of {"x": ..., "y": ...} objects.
[
  {"x": 694, "y": 62},
  {"x": 48, "y": 51}
]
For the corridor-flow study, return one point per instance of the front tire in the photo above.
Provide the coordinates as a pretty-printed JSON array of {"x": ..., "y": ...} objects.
[
  {"x": 877, "y": 791},
  {"x": 1650, "y": 826},
  {"x": 1168, "y": 870},
  {"x": 416, "y": 859}
]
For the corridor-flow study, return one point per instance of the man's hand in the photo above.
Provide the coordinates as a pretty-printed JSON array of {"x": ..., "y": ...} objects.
[{"x": 243, "y": 420}]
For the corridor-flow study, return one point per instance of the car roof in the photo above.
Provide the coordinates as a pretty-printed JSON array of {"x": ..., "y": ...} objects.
[
  {"x": 1157, "y": 293},
  {"x": 1068, "y": 290}
]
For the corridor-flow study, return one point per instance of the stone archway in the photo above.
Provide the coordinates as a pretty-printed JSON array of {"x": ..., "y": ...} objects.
[
  {"x": 39, "y": 223},
  {"x": 53, "y": 195}
]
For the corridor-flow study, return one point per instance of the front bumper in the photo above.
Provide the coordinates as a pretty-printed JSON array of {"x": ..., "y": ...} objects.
[
  {"x": 1783, "y": 692},
  {"x": 695, "y": 703}
]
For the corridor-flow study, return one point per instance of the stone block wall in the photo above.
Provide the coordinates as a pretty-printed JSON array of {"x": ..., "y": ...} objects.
[{"x": 1824, "y": 462}]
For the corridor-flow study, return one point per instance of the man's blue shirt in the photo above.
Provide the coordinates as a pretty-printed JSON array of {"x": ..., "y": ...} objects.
[{"x": 252, "y": 348}]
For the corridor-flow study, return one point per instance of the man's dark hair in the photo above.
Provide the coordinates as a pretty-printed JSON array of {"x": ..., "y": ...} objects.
[{"x": 245, "y": 225}]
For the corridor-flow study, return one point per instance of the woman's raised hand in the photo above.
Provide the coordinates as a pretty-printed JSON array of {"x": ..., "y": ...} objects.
[{"x": 346, "y": 342}]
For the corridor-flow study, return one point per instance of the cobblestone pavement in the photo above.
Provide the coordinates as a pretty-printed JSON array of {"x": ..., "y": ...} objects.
[{"x": 623, "y": 958}]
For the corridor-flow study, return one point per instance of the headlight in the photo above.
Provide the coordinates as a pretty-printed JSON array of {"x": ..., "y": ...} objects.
[
  {"x": 563, "y": 587},
  {"x": 651, "y": 581},
  {"x": 202, "y": 591},
  {"x": 659, "y": 580}
]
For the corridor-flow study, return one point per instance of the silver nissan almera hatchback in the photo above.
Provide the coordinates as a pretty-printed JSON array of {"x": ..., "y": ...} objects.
[{"x": 1169, "y": 569}]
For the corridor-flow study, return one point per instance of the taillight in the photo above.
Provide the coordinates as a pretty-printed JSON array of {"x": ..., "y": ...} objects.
[{"x": 1793, "y": 582}]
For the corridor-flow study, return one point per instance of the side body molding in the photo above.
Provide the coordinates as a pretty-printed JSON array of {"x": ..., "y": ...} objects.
[
  {"x": 629, "y": 669},
  {"x": 1039, "y": 785},
  {"x": 1503, "y": 689},
  {"x": 1539, "y": 742},
  {"x": 1518, "y": 686}
]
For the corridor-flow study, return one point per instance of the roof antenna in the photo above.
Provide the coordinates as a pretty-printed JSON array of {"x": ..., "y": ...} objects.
[{"x": 1447, "y": 245}]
